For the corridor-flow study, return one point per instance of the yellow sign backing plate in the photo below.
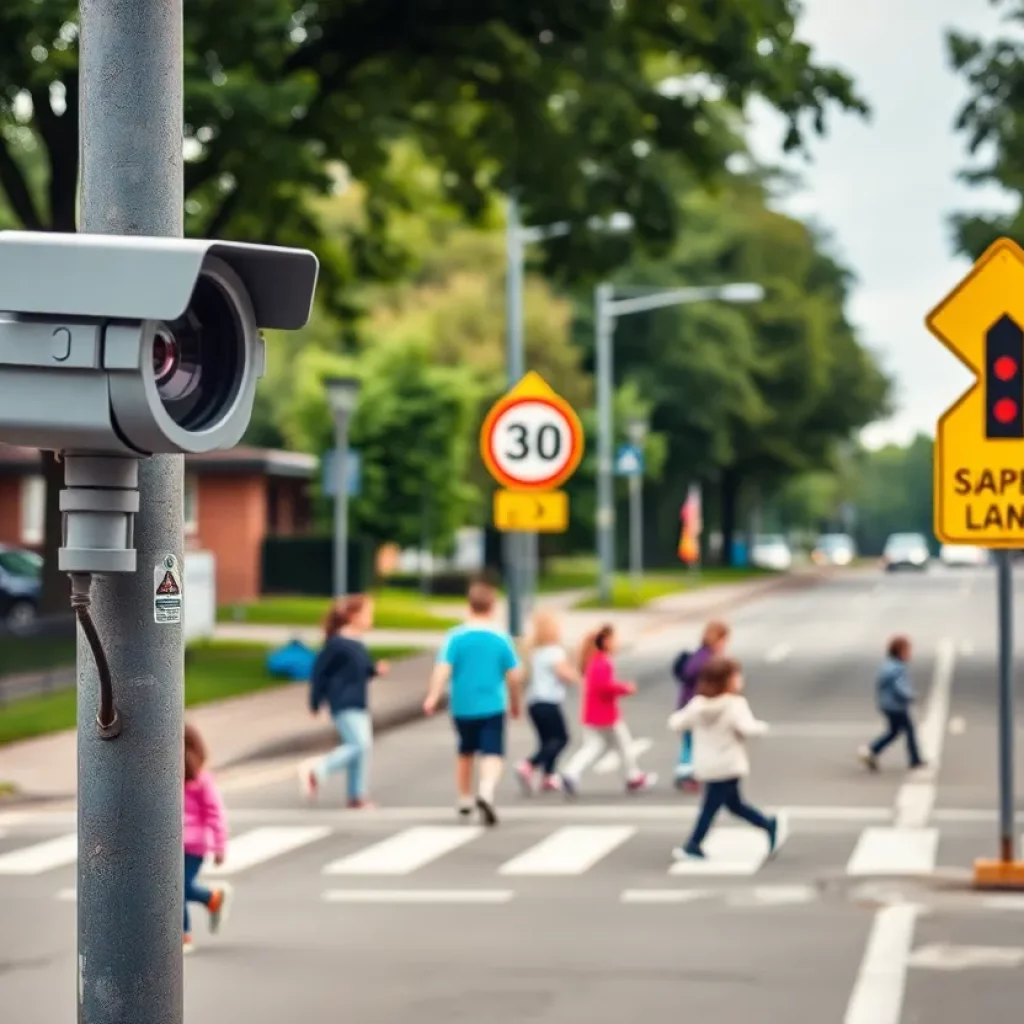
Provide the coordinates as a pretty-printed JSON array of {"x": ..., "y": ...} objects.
[
  {"x": 978, "y": 482},
  {"x": 531, "y": 512}
]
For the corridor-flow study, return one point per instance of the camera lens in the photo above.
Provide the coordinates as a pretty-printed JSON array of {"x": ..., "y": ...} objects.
[{"x": 198, "y": 358}]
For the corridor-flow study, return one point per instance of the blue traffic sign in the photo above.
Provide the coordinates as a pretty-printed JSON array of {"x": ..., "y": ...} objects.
[
  {"x": 629, "y": 461},
  {"x": 354, "y": 465}
]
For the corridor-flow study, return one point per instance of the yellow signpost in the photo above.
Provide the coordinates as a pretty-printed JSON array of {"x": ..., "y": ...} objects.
[
  {"x": 531, "y": 442},
  {"x": 979, "y": 476}
]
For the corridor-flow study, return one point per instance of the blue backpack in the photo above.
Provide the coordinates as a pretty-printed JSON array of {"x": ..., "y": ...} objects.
[
  {"x": 294, "y": 661},
  {"x": 679, "y": 665}
]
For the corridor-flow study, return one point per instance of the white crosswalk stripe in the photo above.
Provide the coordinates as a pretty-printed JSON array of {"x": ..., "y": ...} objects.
[
  {"x": 728, "y": 851},
  {"x": 406, "y": 852},
  {"x": 569, "y": 851},
  {"x": 894, "y": 851},
  {"x": 626, "y": 852},
  {"x": 264, "y": 844},
  {"x": 40, "y": 857}
]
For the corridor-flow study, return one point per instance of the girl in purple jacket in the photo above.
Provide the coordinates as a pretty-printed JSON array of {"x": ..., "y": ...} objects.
[
  {"x": 713, "y": 643},
  {"x": 204, "y": 831}
]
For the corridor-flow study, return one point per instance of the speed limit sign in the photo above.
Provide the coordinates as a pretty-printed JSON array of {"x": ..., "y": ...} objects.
[{"x": 531, "y": 440}]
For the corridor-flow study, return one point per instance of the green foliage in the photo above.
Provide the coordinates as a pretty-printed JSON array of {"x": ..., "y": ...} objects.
[
  {"x": 992, "y": 121},
  {"x": 392, "y": 610}
]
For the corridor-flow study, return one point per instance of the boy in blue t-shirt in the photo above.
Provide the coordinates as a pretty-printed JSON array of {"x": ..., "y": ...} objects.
[{"x": 479, "y": 664}]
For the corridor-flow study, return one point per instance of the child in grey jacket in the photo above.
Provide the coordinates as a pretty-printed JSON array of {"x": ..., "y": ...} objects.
[{"x": 895, "y": 695}]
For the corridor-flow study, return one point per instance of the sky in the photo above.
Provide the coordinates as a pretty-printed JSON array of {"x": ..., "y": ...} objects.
[{"x": 884, "y": 188}]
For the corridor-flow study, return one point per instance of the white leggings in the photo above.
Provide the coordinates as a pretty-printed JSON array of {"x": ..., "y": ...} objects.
[{"x": 597, "y": 742}]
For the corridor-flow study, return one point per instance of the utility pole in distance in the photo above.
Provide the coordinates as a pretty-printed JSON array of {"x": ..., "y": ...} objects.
[{"x": 130, "y": 876}]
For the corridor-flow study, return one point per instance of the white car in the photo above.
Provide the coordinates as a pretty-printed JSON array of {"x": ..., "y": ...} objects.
[
  {"x": 834, "y": 549},
  {"x": 905, "y": 551},
  {"x": 962, "y": 554},
  {"x": 771, "y": 552}
]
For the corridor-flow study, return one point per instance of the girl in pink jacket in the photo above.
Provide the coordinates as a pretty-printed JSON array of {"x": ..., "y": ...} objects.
[
  {"x": 603, "y": 726},
  {"x": 204, "y": 831}
]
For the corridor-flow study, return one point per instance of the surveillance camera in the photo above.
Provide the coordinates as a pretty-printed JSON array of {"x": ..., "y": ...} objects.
[
  {"x": 114, "y": 348},
  {"x": 139, "y": 346}
]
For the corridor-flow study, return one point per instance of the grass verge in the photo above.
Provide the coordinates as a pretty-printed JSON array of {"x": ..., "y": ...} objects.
[
  {"x": 215, "y": 670},
  {"x": 394, "y": 609},
  {"x": 626, "y": 596},
  {"x": 35, "y": 653}
]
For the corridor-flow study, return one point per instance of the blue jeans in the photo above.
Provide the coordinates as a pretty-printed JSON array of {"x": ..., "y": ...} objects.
[
  {"x": 355, "y": 727},
  {"x": 725, "y": 793},
  {"x": 194, "y": 892},
  {"x": 684, "y": 769},
  {"x": 552, "y": 735},
  {"x": 899, "y": 722}
]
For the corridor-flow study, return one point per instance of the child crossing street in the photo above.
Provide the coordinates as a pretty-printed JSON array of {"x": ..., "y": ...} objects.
[{"x": 721, "y": 722}]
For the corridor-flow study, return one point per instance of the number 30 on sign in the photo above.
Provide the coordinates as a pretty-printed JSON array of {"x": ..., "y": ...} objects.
[{"x": 531, "y": 441}]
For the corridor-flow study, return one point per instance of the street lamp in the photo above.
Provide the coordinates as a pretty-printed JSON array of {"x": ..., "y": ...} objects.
[
  {"x": 607, "y": 310},
  {"x": 521, "y": 548},
  {"x": 636, "y": 431},
  {"x": 342, "y": 396}
]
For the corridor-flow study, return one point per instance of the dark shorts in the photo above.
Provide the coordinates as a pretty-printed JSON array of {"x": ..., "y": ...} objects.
[{"x": 481, "y": 735}]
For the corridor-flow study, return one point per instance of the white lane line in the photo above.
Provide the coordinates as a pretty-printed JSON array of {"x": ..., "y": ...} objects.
[
  {"x": 894, "y": 851},
  {"x": 424, "y": 896},
  {"x": 778, "y": 653},
  {"x": 45, "y": 856},
  {"x": 877, "y": 996},
  {"x": 966, "y": 648},
  {"x": 405, "y": 852},
  {"x": 631, "y": 811},
  {"x": 672, "y": 896},
  {"x": 67, "y": 895},
  {"x": 728, "y": 851},
  {"x": 916, "y": 797},
  {"x": 263, "y": 844},
  {"x": 943, "y": 957},
  {"x": 611, "y": 762},
  {"x": 569, "y": 851}
]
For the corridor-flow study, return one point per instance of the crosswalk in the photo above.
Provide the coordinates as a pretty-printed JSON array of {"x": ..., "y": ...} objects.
[{"x": 510, "y": 852}]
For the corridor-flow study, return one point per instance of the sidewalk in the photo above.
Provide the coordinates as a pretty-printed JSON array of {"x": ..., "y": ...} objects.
[{"x": 277, "y": 723}]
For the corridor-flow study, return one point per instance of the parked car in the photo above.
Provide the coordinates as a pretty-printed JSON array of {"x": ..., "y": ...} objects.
[
  {"x": 962, "y": 554},
  {"x": 906, "y": 551},
  {"x": 771, "y": 552},
  {"x": 834, "y": 549},
  {"x": 21, "y": 581}
]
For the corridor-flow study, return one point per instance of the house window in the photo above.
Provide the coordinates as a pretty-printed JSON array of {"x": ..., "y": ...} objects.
[
  {"x": 191, "y": 504},
  {"x": 33, "y": 510}
]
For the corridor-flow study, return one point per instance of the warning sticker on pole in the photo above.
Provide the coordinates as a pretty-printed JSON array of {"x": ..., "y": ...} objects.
[{"x": 167, "y": 592}]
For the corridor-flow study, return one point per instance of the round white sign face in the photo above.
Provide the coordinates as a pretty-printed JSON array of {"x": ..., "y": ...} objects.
[{"x": 532, "y": 442}]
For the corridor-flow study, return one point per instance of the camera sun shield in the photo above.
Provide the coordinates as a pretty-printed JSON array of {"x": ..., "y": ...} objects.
[{"x": 137, "y": 345}]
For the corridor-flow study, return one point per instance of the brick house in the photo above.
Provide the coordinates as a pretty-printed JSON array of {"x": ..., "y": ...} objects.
[{"x": 233, "y": 501}]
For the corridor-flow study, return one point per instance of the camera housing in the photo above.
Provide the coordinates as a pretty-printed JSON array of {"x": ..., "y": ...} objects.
[
  {"x": 139, "y": 346},
  {"x": 114, "y": 348}
]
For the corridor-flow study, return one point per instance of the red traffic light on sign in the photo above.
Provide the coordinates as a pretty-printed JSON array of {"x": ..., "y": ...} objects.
[{"x": 1004, "y": 380}]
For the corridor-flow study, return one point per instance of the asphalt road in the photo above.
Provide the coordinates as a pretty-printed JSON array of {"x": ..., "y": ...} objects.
[{"x": 571, "y": 911}]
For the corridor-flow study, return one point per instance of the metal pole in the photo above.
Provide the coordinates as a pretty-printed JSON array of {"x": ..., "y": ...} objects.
[
  {"x": 515, "y": 544},
  {"x": 341, "y": 506},
  {"x": 1007, "y": 838},
  {"x": 604, "y": 327},
  {"x": 130, "y": 875},
  {"x": 636, "y": 537}
]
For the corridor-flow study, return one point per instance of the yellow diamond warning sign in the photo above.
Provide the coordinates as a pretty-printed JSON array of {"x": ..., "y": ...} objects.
[{"x": 979, "y": 444}]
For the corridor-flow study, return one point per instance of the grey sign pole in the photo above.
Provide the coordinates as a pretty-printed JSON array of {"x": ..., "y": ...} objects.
[
  {"x": 1007, "y": 837},
  {"x": 603, "y": 327},
  {"x": 516, "y": 546},
  {"x": 130, "y": 875},
  {"x": 341, "y": 505}
]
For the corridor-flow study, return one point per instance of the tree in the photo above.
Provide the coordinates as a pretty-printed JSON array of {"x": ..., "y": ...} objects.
[
  {"x": 557, "y": 100},
  {"x": 412, "y": 429},
  {"x": 748, "y": 396},
  {"x": 992, "y": 119}
]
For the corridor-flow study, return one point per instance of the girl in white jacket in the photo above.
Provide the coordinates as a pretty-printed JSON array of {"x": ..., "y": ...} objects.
[{"x": 721, "y": 722}]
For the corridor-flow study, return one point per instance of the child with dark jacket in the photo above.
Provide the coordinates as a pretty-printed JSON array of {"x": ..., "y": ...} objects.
[
  {"x": 689, "y": 668},
  {"x": 894, "y": 694},
  {"x": 341, "y": 681}
]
